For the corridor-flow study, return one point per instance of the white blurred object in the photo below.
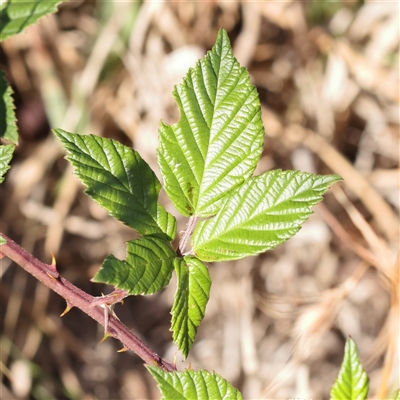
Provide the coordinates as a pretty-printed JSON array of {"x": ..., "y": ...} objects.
[
  {"x": 22, "y": 378},
  {"x": 178, "y": 62},
  {"x": 341, "y": 21},
  {"x": 302, "y": 160},
  {"x": 369, "y": 15},
  {"x": 338, "y": 89},
  {"x": 313, "y": 232},
  {"x": 384, "y": 40}
]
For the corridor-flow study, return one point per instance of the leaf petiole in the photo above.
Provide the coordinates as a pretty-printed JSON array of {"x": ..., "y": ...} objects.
[{"x": 186, "y": 235}]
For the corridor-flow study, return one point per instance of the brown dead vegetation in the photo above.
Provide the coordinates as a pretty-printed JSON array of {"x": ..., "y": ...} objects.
[{"x": 275, "y": 326}]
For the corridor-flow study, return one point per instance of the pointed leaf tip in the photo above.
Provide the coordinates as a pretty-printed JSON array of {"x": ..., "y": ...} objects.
[
  {"x": 119, "y": 180},
  {"x": 219, "y": 137},
  {"x": 259, "y": 215},
  {"x": 352, "y": 381}
]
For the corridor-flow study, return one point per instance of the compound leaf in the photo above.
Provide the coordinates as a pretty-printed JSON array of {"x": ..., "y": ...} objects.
[
  {"x": 120, "y": 181},
  {"x": 8, "y": 125},
  {"x": 191, "y": 297},
  {"x": 262, "y": 213},
  {"x": 199, "y": 385},
  {"x": 16, "y": 15},
  {"x": 146, "y": 270},
  {"x": 352, "y": 382},
  {"x": 6, "y": 153},
  {"x": 218, "y": 139}
]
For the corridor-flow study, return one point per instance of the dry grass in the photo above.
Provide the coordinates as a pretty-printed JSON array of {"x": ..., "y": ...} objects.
[{"x": 327, "y": 75}]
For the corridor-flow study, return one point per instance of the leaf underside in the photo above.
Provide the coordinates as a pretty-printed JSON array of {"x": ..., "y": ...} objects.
[
  {"x": 146, "y": 270},
  {"x": 191, "y": 297},
  {"x": 262, "y": 213},
  {"x": 16, "y": 15},
  {"x": 6, "y": 153},
  {"x": 218, "y": 139},
  {"x": 199, "y": 385},
  {"x": 352, "y": 382},
  {"x": 8, "y": 125},
  {"x": 120, "y": 181}
]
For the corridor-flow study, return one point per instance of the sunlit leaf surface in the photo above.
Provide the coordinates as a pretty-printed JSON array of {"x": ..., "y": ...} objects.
[
  {"x": 146, "y": 270},
  {"x": 218, "y": 139},
  {"x": 190, "y": 301},
  {"x": 262, "y": 213},
  {"x": 16, "y": 15},
  {"x": 8, "y": 124},
  {"x": 6, "y": 153},
  {"x": 120, "y": 181},
  {"x": 199, "y": 385},
  {"x": 352, "y": 382}
]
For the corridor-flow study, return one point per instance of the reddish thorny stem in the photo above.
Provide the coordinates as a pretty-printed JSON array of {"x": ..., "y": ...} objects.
[{"x": 92, "y": 306}]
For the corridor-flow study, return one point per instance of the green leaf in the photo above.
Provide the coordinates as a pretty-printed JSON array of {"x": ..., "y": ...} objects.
[
  {"x": 120, "y": 181},
  {"x": 218, "y": 139},
  {"x": 2, "y": 240},
  {"x": 147, "y": 269},
  {"x": 16, "y": 15},
  {"x": 352, "y": 382},
  {"x": 6, "y": 153},
  {"x": 191, "y": 297},
  {"x": 262, "y": 213},
  {"x": 191, "y": 385},
  {"x": 8, "y": 125}
]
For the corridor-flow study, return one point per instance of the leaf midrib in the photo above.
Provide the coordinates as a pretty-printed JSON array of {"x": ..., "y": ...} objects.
[
  {"x": 144, "y": 211},
  {"x": 254, "y": 215},
  {"x": 220, "y": 84}
]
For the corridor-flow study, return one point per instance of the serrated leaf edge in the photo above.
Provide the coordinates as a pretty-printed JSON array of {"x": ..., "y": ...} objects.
[
  {"x": 352, "y": 366},
  {"x": 180, "y": 338},
  {"x": 140, "y": 242}
]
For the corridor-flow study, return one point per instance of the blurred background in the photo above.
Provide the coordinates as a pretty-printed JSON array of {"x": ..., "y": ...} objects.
[{"x": 328, "y": 78}]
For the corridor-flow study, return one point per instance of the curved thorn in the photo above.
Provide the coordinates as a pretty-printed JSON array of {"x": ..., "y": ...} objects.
[
  {"x": 51, "y": 276},
  {"x": 122, "y": 350},
  {"x": 67, "y": 309},
  {"x": 106, "y": 336},
  {"x": 53, "y": 262}
]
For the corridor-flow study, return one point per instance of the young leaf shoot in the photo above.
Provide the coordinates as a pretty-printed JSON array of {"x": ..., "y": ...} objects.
[{"x": 352, "y": 382}]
